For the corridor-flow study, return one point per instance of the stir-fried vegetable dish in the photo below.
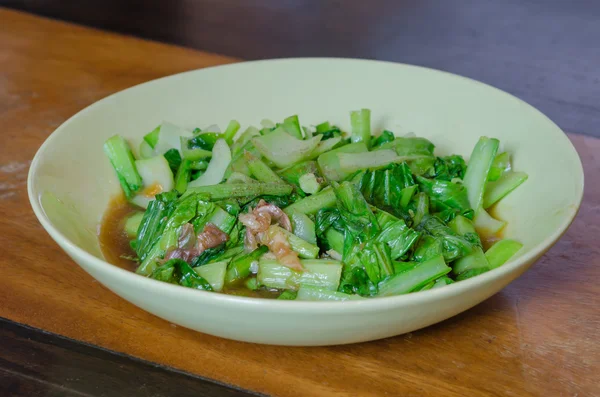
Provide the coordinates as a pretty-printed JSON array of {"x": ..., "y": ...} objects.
[{"x": 310, "y": 213}]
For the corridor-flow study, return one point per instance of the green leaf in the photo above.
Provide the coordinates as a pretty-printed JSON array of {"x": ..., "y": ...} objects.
[
  {"x": 427, "y": 247},
  {"x": 385, "y": 137},
  {"x": 356, "y": 281},
  {"x": 413, "y": 146},
  {"x": 239, "y": 268},
  {"x": 154, "y": 222},
  {"x": 178, "y": 271},
  {"x": 205, "y": 141},
  {"x": 288, "y": 295},
  {"x": 445, "y": 194},
  {"x": 328, "y": 131},
  {"x": 449, "y": 167},
  {"x": 173, "y": 158},
  {"x": 360, "y": 223},
  {"x": 453, "y": 245},
  {"x": 208, "y": 255},
  {"x": 384, "y": 188},
  {"x": 399, "y": 237}
]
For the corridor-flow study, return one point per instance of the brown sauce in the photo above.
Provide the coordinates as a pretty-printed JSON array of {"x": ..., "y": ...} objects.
[{"x": 114, "y": 242}]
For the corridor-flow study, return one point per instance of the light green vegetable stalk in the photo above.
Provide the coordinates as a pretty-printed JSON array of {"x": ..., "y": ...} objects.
[
  {"x": 501, "y": 252},
  {"x": 308, "y": 293},
  {"x": 495, "y": 191},
  {"x": 260, "y": 170},
  {"x": 320, "y": 273},
  {"x": 312, "y": 204},
  {"x": 235, "y": 190},
  {"x": 216, "y": 168},
  {"x": 214, "y": 273},
  {"x": 304, "y": 249},
  {"x": 486, "y": 225},
  {"x": 360, "y": 121},
  {"x": 303, "y": 227},
  {"x": 329, "y": 162},
  {"x": 500, "y": 165},
  {"x": 232, "y": 128},
  {"x": 478, "y": 169},
  {"x": 132, "y": 224},
  {"x": 414, "y": 278},
  {"x": 283, "y": 149},
  {"x": 309, "y": 183},
  {"x": 119, "y": 153}
]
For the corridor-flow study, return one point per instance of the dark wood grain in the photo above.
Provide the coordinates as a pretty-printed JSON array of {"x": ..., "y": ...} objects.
[
  {"x": 543, "y": 51},
  {"x": 37, "y": 363},
  {"x": 538, "y": 337}
]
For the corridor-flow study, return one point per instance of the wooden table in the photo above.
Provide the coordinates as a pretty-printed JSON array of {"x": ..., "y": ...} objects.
[{"x": 538, "y": 337}]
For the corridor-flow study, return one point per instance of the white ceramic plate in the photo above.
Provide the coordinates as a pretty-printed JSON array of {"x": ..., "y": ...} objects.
[{"x": 70, "y": 182}]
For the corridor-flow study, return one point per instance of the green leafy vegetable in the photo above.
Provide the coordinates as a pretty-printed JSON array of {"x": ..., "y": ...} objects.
[
  {"x": 328, "y": 131},
  {"x": 385, "y": 137},
  {"x": 449, "y": 168},
  {"x": 240, "y": 268},
  {"x": 410, "y": 146},
  {"x": 453, "y": 245},
  {"x": 369, "y": 214},
  {"x": 177, "y": 271},
  {"x": 444, "y": 195},
  {"x": 173, "y": 158}
]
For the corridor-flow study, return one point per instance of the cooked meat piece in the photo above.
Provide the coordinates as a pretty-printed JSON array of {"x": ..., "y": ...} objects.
[
  {"x": 276, "y": 214},
  {"x": 278, "y": 244},
  {"x": 191, "y": 246},
  {"x": 258, "y": 231},
  {"x": 211, "y": 237}
]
